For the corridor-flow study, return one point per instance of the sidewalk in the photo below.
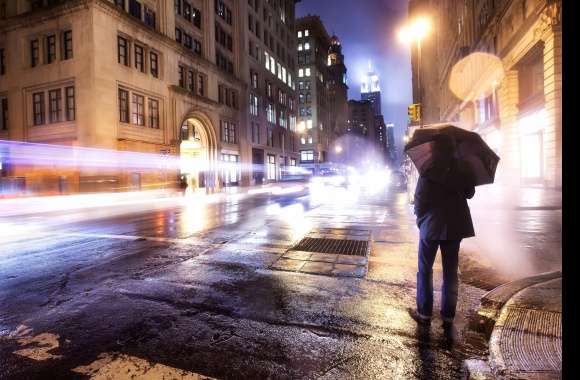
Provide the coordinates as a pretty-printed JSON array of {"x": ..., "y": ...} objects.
[{"x": 524, "y": 322}]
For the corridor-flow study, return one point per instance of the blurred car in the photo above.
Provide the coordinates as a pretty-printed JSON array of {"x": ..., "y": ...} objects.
[{"x": 330, "y": 178}]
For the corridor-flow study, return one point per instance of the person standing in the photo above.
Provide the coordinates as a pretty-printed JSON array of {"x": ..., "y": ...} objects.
[{"x": 444, "y": 219}]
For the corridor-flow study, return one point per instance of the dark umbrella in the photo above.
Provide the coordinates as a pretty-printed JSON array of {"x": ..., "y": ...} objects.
[{"x": 431, "y": 145}]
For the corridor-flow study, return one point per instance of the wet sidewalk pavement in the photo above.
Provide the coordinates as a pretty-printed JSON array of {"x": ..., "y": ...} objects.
[{"x": 142, "y": 296}]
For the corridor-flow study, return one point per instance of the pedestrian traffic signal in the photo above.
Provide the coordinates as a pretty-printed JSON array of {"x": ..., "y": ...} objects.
[{"x": 414, "y": 112}]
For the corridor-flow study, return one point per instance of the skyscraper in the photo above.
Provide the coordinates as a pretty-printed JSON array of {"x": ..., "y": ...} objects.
[{"x": 371, "y": 91}]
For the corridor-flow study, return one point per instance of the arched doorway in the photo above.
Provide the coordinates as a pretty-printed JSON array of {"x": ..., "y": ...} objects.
[{"x": 198, "y": 154}]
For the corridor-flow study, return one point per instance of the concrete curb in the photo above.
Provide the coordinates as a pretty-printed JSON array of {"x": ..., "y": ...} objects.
[{"x": 525, "y": 337}]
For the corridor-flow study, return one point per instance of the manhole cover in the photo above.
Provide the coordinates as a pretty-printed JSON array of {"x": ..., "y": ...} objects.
[{"x": 335, "y": 246}]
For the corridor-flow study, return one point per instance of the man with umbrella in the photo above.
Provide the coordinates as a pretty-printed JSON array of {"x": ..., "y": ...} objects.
[{"x": 451, "y": 162}]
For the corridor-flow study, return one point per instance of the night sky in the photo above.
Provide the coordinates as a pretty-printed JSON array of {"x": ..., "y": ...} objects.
[{"x": 367, "y": 30}]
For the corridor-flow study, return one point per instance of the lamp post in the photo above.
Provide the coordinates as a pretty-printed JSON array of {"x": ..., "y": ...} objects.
[{"x": 416, "y": 31}]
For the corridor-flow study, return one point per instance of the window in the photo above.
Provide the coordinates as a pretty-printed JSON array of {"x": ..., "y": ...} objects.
[
  {"x": 221, "y": 94},
  {"x": 4, "y": 118},
  {"x": 154, "y": 64},
  {"x": 138, "y": 110},
  {"x": 67, "y": 46},
  {"x": 50, "y": 48},
  {"x": 181, "y": 76},
  {"x": 299, "y": 47},
  {"x": 188, "y": 41},
  {"x": 153, "y": 113},
  {"x": 309, "y": 139},
  {"x": 271, "y": 167},
  {"x": 139, "y": 63},
  {"x": 256, "y": 133},
  {"x": 149, "y": 17},
  {"x": 231, "y": 170},
  {"x": 191, "y": 81},
  {"x": 196, "y": 17},
  {"x": 123, "y": 106},
  {"x": 228, "y": 132},
  {"x": 196, "y": 47},
  {"x": 268, "y": 89},
  {"x": 178, "y": 7},
  {"x": 309, "y": 124},
  {"x": 307, "y": 71},
  {"x": 307, "y": 46},
  {"x": 120, "y": 3},
  {"x": 178, "y": 35},
  {"x": 122, "y": 51},
  {"x": 271, "y": 113},
  {"x": 38, "y": 108},
  {"x": 254, "y": 79},
  {"x": 34, "y": 53},
  {"x": 253, "y": 105},
  {"x": 302, "y": 140},
  {"x": 135, "y": 9},
  {"x": 306, "y": 34},
  {"x": 531, "y": 79},
  {"x": 70, "y": 103},
  {"x": 201, "y": 84},
  {"x": 299, "y": 34},
  {"x": 300, "y": 73},
  {"x": 54, "y": 106},
  {"x": 270, "y": 137},
  {"x": 2, "y": 62},
  {"x": 306, "y": 155},
  {"x": 187, "y": 11}
]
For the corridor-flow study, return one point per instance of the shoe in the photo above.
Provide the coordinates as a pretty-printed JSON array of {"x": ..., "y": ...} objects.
[{"x": 421, "y": 320}]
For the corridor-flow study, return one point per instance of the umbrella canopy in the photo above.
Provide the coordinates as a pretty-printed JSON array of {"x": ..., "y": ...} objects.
[{"x": 430, "y": 146}]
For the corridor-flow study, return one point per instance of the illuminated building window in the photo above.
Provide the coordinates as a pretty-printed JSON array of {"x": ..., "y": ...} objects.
[
  {"x": 306, "y": 33},
  {"x": 307, "y": 46},
  {"x": 70, "y": 103},
  {"x": 299, "y": 34},
  {"x": 309, "y": 139},
  {"x": 303, "y": 140},
  {"x": 54, "y": 105},
  {"x": 300, "y": 73},
  {"x": 253, "y": 105},
  {"x": 50, "y": 47},
  {"x": 153, "y": 113},
  {"x": 306, "y": 156},
  {"x": 271, "y": 167},
  {"x": 307, "y": 71},
  {"x": 299, "y": 47},
  {"x": 34, "y": 53},
  {"x": 138, "y": 110},
  {"x": 309, "y": 124},
  {"x": 38, "y": 108},
  {"x": 67, "y": 44},
  {"x": 123, "y": 106}
]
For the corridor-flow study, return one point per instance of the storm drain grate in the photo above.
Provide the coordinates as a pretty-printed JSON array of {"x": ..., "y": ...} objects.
[{"x": 335, "y": 246}]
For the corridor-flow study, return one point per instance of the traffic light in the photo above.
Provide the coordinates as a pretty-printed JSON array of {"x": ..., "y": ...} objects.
[{"x": 414, "y": 112}]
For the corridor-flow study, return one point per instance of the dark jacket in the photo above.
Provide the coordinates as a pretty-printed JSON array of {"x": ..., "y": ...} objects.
[{"x": 441, "y": 206}]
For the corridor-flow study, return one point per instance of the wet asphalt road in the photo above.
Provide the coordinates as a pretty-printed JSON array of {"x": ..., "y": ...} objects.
[{"x": 185, "y": 291}]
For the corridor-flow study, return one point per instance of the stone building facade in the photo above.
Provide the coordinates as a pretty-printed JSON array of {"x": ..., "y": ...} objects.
[
  {"x": 507, "y": 57},
  {"x": 169, "y": 79}
]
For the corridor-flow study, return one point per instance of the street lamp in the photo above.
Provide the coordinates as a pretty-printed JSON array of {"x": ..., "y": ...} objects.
[
  {"x": 338, "y": 149},
  {"x": 416, "y": 31}
]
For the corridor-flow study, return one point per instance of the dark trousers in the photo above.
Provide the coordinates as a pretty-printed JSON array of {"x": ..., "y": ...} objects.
[{"x": 450, "y": 258}]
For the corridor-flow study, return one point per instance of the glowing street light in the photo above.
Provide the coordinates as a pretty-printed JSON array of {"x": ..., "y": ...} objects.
[
  {"x": 338, "y": 149},
  {"x": 416, "y": 31}
]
